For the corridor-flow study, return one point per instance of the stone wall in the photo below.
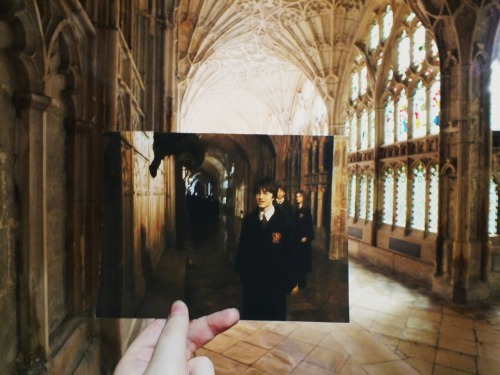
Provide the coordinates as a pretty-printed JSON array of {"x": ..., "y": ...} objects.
[{"x": 8, "y": 212}]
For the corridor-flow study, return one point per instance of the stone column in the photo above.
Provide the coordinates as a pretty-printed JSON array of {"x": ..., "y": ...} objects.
[
  {"x": 30, "y": 149},
  {"x": 338, "y": 231}
]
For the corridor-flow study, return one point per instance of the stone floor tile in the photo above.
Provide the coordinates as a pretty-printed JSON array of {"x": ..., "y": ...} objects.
[
  {"x": 275, "y": 363},
  {"x": 417, "y": 350},
  {"x": 423, "y": 324},
  {"x": 221, "y": 343},
  {"x": 457, "y": 321},
  {"x": 457, "y": 361},
  {"x": 244, "y": 353},
  {"x": 364, "y": 348},
  {"x": 351, "y": 367},
  {"x": 222, "y": 364},
  {"x": 430, "y": 315},
  {"x": 281, "y": 328},
  {"x": 487, "y": 366},
  {"x": 331, "y": 360},
  {"x": 457, "y": 345},
  {"x": 487, "y": 350},
  {"x": 442, "y": 370},
  {"x": 295, "y": 350},
  {"x": 421, "y": 336},
  {"x": 387, "y": 330},
  {"x": 264, "y": 339},
  {"x": 392, "y": 367},
  {"x": 241, "y": 330},
  {"x": 422, "y": 366},
  {"x": 306, "y": 334},
  {"x": 255, "y": 371},
  {"x": 309, "y": 369}
]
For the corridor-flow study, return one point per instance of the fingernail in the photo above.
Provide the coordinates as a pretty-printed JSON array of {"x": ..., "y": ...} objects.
[{"x": 178, "y": 308}]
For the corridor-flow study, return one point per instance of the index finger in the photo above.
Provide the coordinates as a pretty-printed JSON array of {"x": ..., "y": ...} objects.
[
  {"x": 169, "y": 356},
  {"x": 203, "y": 330}
]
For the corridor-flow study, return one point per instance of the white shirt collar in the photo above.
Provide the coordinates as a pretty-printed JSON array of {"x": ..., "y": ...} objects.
[{"x": 269, "y": 213}]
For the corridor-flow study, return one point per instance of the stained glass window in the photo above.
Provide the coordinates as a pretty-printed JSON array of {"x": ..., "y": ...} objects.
[
  {"x": 419, "y": 45},
  {"x": 388, "y": 205},
  {"x": 387, "y": 23},
  {"x": 433, "y": 198},
  {"x": 418, "y": 197},
  {"x": 435, "y": 105},
  {"x": 362, "y": 196},
  {"x": 352, "y": 195},
  {"x": 363, "y": 130},
  {"x": 371, "y": 126},
  {"x": 493, "y": 211},
  {"x": 401, "y": 197},
  {"x": 419, "y": 112},
  {"x": 389, "y": 122},
  {"x": 402, "y": 110},
  {"x": 434, "y": 50},
  {"x": 403, "y": 55}
]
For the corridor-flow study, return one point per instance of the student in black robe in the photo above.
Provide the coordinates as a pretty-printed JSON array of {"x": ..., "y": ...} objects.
[
  {"x": 304, "y": 235},
  {"x": 265, "y": 258}
]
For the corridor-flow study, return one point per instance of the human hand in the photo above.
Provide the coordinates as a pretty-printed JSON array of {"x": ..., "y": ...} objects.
[{"x": 168, "y": 346}]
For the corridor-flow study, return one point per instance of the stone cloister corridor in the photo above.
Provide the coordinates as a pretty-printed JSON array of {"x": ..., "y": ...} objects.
[{"x": 383, "y": 111}]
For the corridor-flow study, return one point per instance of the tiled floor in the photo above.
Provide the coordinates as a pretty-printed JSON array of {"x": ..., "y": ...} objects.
[{"x": 394, "y": 328}]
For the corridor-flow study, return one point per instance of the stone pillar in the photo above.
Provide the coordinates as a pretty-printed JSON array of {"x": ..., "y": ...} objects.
[
  {"x": 30, "y": 149},
  {"x": 338, "y": 233},
  {"x": 108, "y": 36}
]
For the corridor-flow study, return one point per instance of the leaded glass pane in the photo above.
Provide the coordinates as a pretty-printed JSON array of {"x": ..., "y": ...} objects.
[
  {"x": 352, "y": 195},
  {"x": 433, "y": 199},
  {"x": 419, "y": 112},
  {"x": 493, "y": 211},
  {"x": 388, "y": 205},
  {"x": 435, "y": 96},
  {"x": 419, "y": 45},
  {"x": 495, "y": 95},
  {"x": 402, "y": 110},
  {"x": 389, "y": 122},
  {"x": 387, "y": 23},
  {"x": 353, "y": 133},
  {"x": 401, "y": 198},
  {"x": 362, "y": 196},
  {"x": 371, "y": 122},
  {"x": 403, "y": 55},
  {"x": 363, "y": 130},
  {"x": 374, "y": 37},
  {"x": 369, "y": 213},
  {"x": 434, "y": 50},
  {"x": 354, "y": 85},
  {"x": 363, "y": 80},
  {"x": 418, "y": 208}
]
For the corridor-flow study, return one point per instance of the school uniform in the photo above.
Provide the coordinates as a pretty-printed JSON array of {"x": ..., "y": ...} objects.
[
  {"x": 303, "y": 227},
  {"x": 265, "y": 263}
]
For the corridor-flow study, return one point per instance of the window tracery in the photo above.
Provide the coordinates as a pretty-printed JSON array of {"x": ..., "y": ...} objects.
[{"x": 404, "y": 77}]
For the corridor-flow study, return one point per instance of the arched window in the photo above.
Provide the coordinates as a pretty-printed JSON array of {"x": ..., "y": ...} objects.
[
  {"x": 435, "y": 105},
  {"x": 493, "y": 210},
  {"x": 371, "y": 125},
  {"x": 352, "y": 195},
  {"x": 362, "y": 196},
  {"x": 418, "y": 196},
  {"x": 402, "y": 113},
  {"x": 419, "y": 111},
  {"x": 387, "y": 23},
  {"x": 403, "y": 55},
  {"x": 401, "y": 180},
  {"x": 363, "y": 131},
  {"x": 353, "y": 133},
  {"x": 388, "y": 196},
  {"x": 369, "y": 204},
  {"x": 389, "y": 121},
  {"x": 433, "y": 203}
]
